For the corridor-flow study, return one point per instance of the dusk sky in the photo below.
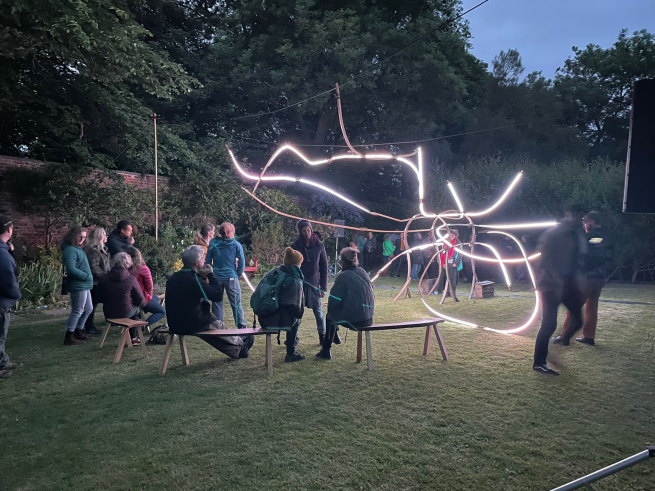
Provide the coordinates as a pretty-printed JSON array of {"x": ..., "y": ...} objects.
[{"x": 544, "y": 31}]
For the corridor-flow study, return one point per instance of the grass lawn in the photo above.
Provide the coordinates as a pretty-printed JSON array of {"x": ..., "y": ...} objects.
[{"x": 71, "y": 419}]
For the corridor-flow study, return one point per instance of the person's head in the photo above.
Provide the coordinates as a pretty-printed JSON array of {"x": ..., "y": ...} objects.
[
  {"x": 6, "y": 228},
  {"x": 305, "y": 229},
  {"x": 124, "y": 227},
  {"x": 137, "y": 258},
  {"x": 292, "y": 257},
  {"x": 370, "y": 235},
  {"x": 387, "y": 236},
  {"x": 76, "y": 236},
  {"x": 591, "y": 221},
  {"x": 454, "y": 234},
  {"x": 97, "y": 238},
  {"x": 348, "y": 258},
  {"x": 226, "y": 230},
  {"x": 193, "y": 257},
  {"x": 122, "y": 260},
  {"x": 419, "y": 235},
  {"x": 207, "y": 231}
]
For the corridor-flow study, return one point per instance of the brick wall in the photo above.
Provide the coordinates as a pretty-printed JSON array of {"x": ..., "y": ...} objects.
[{"x": 30, "y": 228}]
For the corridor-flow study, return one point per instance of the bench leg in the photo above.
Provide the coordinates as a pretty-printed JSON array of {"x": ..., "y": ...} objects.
[
  {"x": 143, "y": 342},
  {"x": 128, "y": 343},
  {"x": 359, "y": 346},
  {"x": 428, "y": 341},
  {"x": 269, "y": 354},
  {"x": 369, "y": 354},
  {"x": 185, "y": 353},
  {"x": 442, "y": 345},
  {"x": 125, "y": 338},
  {"x": 104, "y": 334},
  {"x": 167, "y": 354}
]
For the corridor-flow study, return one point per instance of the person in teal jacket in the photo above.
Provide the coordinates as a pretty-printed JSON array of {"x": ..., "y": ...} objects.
[
  {"x": 225, "y": 256},
  {"x": 81, "y": 282}
]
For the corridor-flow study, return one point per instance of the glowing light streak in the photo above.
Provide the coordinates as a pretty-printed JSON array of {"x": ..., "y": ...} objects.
[
  {"x": 244, "y": 276},
  {"x": 459, "y": 203},
  {"x": 500, "y": 200},
  {"x": 514, "y": 226},
  {"x": 500, "y": 261}
]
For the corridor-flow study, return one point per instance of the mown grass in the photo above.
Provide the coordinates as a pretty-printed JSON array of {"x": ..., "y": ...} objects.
[{"x": 71, "y": 419}]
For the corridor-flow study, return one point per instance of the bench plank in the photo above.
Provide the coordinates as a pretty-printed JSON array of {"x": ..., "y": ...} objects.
[
  {"x": 127, "y": 322},
  {"x": 228, "y": 332},
  {"x": 400, "y": 325}
]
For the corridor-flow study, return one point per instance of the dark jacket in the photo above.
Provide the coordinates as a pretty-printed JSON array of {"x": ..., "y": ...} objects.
[
  {"x": 117, "y": 243},
  {"x": 187, "y": 311},
  {"x": 351, "y": 297},
  {"x": 314, "y": 266},
  {"x": 77, "y": 268},
  {"x": 291, "y": 300},
  {"x": 226, "y": 258},
  {"x": 9, "y": 291},
  {"x": 98, "y": 262},
  {"x": 120, "y": 293},
  {"x": 417, "y": 255},
  {"x": 371, "y": 245}
]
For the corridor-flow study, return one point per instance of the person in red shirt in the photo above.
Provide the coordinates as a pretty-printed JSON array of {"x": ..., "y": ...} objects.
[{"x": 142, "y": 274}]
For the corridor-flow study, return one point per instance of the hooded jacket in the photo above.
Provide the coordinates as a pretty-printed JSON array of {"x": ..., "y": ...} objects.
[
  {"x": 117, "y": 243},
  {"x": 187, "y": 311},
  {"x": 120, "y": 293},
  {"x": 351, "y": 297},
  {"x": 226, "y": 258},
  {"x": 144, "y": 277},
  {"x": 9, "y": 290},
  {"x": 314, "y": 266},
  {"x": 77, "y": 268},
  {"x": 290, "y": 299}
]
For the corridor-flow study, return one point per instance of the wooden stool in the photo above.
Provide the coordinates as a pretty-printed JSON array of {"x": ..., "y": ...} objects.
[{"x": 126, "y": 325}]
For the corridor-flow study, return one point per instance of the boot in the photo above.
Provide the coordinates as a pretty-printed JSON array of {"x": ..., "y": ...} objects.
[
  {"x": 337, "y": 339},
  {"x": 80, "y": 334},
  {"x": 295, "y": 356},
  {"x": 91, "y": 330},
  {"x": 70, "y": 340},
  {"x": 321, "y": 338},
  {"x": 324, "y": 354}
]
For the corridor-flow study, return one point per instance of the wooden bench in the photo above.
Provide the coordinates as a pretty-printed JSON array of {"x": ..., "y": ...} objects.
[
  {"x": 429, "y": 324},
  {"x": 218, "y": 332},
  {"x": 126, "y": 325}
]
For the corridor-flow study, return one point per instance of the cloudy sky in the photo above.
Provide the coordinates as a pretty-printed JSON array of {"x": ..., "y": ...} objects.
[{"x": 545, "y": 30}]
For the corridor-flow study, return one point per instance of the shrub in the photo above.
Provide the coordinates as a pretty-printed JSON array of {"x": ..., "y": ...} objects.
[
  {"x": 161, "y": 256},
  {"x": 40, "y": 283}
]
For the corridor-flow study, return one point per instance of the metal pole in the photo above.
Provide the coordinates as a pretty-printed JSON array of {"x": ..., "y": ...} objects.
[
  {"x": 154, "y": 121},
  {"x": 336, "y": 255},
  {"x": 607, "y": 471}
]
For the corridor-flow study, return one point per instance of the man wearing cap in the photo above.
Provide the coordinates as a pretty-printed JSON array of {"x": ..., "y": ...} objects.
[
  {"x": 9, "y": 293},
  {"x": 290, "y": 302},
  {"x": 315, "y": 270}
]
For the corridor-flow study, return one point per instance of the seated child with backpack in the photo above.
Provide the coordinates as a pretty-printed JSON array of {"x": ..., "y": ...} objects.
[{"x": 279, "y": 302}]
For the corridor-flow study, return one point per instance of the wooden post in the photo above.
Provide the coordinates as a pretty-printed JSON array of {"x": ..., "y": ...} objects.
[
  {"x": 154, "y": 122},
  {"x": 442, "y": 345},
  {"x": 269, "y": 355},
  {"x": 185, "y": 352},
  {"x": 426, "y": 346},
  {"x": 104, "y": 334}
]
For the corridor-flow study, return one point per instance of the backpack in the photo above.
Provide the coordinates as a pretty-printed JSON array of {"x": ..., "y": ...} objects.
[
  {"x": 157, "y": 336},
  {"x": 264, "y": 300}
]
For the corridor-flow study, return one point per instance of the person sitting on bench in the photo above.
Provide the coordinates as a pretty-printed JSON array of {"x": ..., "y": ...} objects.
[
  {"x": 120, "y": 293},
  {"x": 288, "y": 281},
  {"x": 188, "y": 309},
  {"x": 351, "y": 302}
]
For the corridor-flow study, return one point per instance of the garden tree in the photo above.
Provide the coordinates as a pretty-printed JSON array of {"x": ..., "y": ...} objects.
[
  {"x": 507, "y": 67},
  {"x": 75, "y": 82},
  {"x": 596, "y": 86}
]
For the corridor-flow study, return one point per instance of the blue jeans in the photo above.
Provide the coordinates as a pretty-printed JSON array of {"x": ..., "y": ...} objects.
[
  {"x": 81, "y": 308},
  {"x": 232, "y": 288},
  {"x": 156, "y": 309},
  {"x": 320, "y": 319},
  {"x": 415, "y": 270},
  {"x": 4, "y": 329}
]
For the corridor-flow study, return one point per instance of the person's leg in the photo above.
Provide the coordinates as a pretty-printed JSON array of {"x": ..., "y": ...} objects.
[
  {"x": 549, "y": 305},
  {"x": 156, "y": 309},
  {"x": 231, "y": 346},
  {"x": 217, "y": 307},
  {"x": 87, "y": 308},
  {"x": 78, "y": 303},
  {"x": 414, "y": 273},
  {"x": 233, "y": 290},
  {"x": 320, "y": 319},
  {"x": 454, "y": 278},
  {"x": 4, "y": 330},
  {"x": 292, "y": 339},
  {"x": 90, "y": 325},
  {"x": 591, "y": 310},
  {"x": 331, "y": 329}
]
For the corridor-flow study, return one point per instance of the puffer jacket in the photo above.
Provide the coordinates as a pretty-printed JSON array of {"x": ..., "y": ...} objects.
[
  {"x": 120, "y": 293},
  {"x": 226, "y": 258},
  {"x": 77, "y": 268},
  {"x": 351, "y": 297},
  {"x": 98, "y": 262},
  {"x": 290, "y": 300},
  {"x": 144, "y": 277}
]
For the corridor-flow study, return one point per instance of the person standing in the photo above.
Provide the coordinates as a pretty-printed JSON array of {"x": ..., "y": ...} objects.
[
  {"x": 451, "y": 259},
  {"x": 417, "y": 256},
  {"x": 560, "y": 280},
  {"x": 315, "y": 270},
  {"x": 9, "y": 293},
  {"x": 360, "y": 243},
  {"x": 143, "y": 275},
  {"x": 204, "y": 236},
  {"x": 351, "y": 302},
  {"x": 369, "y": 252},
  {"x": 81, "y": 283},
  {"x": 225, "y": 255},
  {"x": 599, "y": 253},
  {"x": 387, "y": 252},
  {"x": 121, "y": 238},
  {"x": 98, "y": 255}
]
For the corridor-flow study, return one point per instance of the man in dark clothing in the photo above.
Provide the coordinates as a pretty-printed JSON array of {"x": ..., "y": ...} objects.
[
  {"x": 290, "y": 300},
  {"x": 599, "y": 253},
  {"x": 121, "y": 238},
  {"x": 560, "y": 280},
  {"x": 315, "y": 270},
  {"x": 351, "y": 302},
  {"x": 187, "y": 304},
  {"x": 369, "y": 252},
  {"x": 9, "y": 293}
]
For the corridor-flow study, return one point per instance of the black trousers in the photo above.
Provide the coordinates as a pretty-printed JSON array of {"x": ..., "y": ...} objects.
[
  {"x": 332, "y": 329},
  {"x": 232, "y": 346},
  {"x": 292, "y": 337},
  {"x": 573, "y": 300},
  {"x": 454, "y": 276},
  {"x": 369, "y": 259}
]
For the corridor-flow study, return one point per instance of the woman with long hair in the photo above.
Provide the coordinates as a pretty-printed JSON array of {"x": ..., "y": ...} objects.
[
  {"x": 141, "y": 272},
  {"x": 79, "y": 273},
  {"x": 203, "y": 237},
  {"x": 98, "y": 255}
]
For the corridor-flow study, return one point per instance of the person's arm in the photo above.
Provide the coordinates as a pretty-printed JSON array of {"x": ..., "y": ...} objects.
[
  {"x": 241, "y": 261},
  {"x": 337, "y": 298},
  {"x": 212, "y": 289},
  {"x": 323, "y": 270},
  {"x": 71, "y": 267},
  {"x": 209, "y": 257},
  {"x": 8, "y": 284},
  {"x": 147, "y": 280},
  {"x": 138, "y": 300}
]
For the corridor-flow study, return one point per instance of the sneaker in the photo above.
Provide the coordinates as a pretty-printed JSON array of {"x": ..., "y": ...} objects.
[
  {"x": 564, "y": 341},
  {"x": 584, "y": 340},
  {"x": 324, "y": 354},
  {"x": 545, "y": 369},
  {"x": 295, "y": 356},
  {"x": 136, "y": 342},
  {"x": 6, "y": 373},
  {"x": 11, "y": 366}
]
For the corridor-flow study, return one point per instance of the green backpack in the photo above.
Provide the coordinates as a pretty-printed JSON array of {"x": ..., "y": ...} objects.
[{"x": 264, "y": 300}]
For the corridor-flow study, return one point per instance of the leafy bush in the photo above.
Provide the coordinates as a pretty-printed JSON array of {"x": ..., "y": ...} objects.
[
  {"x": 40, "y": 283},
  {"x": 268, "y": 244},
  {"x": 161, "y": 256}
]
